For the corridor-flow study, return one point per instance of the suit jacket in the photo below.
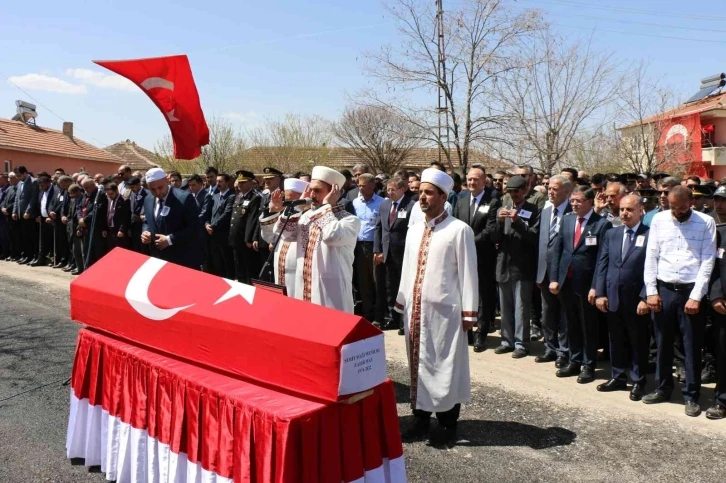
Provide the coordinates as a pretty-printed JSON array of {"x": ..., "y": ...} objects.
[
  {"x": 546, "y": 243},
  {"x": 98, "y": 198},
  {"x": 483, "y": 224},
  {"x": 121, "y": 216},
  {"x": 59, "y": 204},
  {"x": 181, "y": 223},
  {"x": 204, "y": 202},
  {"x": 49, "y": 203},
  {"x": 220, "y": 214},
  {"x": 392, "y": 237},
  {"x": 717, "y": 287},
  {"x": 72, "y": 225},
  {"x": 138, "y": 208},
  {"x": 517, "y": 245},
  {"x": 9, "y": 200},
  {"x": 582, "y": 258},
  {"x": 619, "y": 277},
  {"x": 245, "y": 219},
  {"x": 27, "y": 201}
]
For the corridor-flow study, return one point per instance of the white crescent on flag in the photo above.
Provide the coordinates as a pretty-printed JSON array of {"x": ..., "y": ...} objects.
[{"x": 137, "y": 292}]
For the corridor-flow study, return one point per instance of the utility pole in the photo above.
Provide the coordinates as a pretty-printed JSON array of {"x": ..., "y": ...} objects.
[{"x": 443, "y": 108}]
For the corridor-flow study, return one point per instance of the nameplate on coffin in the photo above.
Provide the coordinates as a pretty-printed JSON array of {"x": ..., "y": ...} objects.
[{"x": 362, "y": 365}]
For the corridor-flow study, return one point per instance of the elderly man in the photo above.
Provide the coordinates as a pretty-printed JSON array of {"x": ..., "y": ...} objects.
[
  {"x": 678, "y": 266},
  {"x": 118, "y": 218},
  {"x": 91, "y": 222},
  {"x": 440, "y": 252},
  {"x": 285, "y": 262},
  {"x": 171, "y": 223},
  {"x": 326, "y": 236},
  {"x": 614, "y": 192},
  {"x": 58, "y": 210},
  {"x": 124, "y": 173}
]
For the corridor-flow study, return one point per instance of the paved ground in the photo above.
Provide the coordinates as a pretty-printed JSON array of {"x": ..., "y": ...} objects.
[{"x": 523, "y": 423}]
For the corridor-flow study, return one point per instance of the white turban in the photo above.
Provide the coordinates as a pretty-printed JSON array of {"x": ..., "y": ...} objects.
[
  {"x": 296, "y": 185},
  {"x": 155, "y": 174},
  {"x": 439, "y": 179},
  {"x": 328, "y": 175}
]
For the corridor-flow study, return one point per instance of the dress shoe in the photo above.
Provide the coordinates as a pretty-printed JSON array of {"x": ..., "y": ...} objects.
[
  {"x": 569, "y": 370},
  {"x": 718, "y": 411},
  {"x": 479, "y": 347},
  {"x": 60, "y": 264},
  {"x": 656, "y": 397},
  {"x": 76, "y": 272},
  {"x": 503, "y": 349},
  {"x": 38, "y": 263},
  {"x": 561, "y": 362},
  {"x": 519, "y": 353},
  {"x": 535, "y": 335},
  {"x": 587, "y": 374},
  {"x": 68, "y": 268},
  {"x": 401, "y": 332},
  {"x": 443, "y": 438},
  {"x": 419, "y": 430},
  {"x": 612, "y": 385},
  {"x": 546, "y": 357},
  {"x": 479, "y": 339},
  {"x": 692, "y": 409},
  {"x": 23, "y": 261},
  {"x": 636, "y": 394}
]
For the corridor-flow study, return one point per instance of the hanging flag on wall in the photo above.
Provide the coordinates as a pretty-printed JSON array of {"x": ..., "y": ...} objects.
[{"x": 169, "y": 83}]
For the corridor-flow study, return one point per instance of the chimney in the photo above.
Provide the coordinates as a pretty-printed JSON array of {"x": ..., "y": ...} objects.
[{"x": 68, "y": 130}]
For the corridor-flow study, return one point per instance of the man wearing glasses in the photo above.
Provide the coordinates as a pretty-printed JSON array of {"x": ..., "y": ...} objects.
[{"x": 664, "y": 187}]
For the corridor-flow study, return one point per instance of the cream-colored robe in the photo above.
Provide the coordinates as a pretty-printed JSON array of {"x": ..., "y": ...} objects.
[
  {"x": 439, "y": 289},
  {"x": 284, "y": 264}
]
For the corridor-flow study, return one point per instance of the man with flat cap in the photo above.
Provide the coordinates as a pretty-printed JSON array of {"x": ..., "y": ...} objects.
[
  {"x": 326, "y": 236},
  {"x": 440, "y": 252},
  {"x": 171, "y": 223},
  {"x": 243, "y": 227},
  {"x": 285, "y": 263},
  {"x": 271, "y": 181}
]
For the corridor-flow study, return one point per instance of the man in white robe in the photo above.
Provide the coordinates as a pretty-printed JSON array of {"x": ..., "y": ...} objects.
[
  {"x": 284, "y": 264},
  {"x": 439, "y": 303},
  {"x": 326, "y": 236}
]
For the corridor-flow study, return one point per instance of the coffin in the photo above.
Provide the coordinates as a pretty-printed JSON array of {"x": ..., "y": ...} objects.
[{"x": 261, "y": 336}]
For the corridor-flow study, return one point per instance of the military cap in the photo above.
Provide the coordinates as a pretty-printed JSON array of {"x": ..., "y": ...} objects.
[
  {"x": 243, "y": 175},
  {"x": 703, "y": 190},
  {"x": 721, "y": 192},
  {"x": 271, "y": 172}
]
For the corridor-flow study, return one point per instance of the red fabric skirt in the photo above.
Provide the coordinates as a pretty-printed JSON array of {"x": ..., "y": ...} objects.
[{"x": 144, "y": 417}]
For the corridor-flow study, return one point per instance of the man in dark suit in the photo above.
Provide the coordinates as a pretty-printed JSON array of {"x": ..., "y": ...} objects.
[
  {"x": 390, "y": 243},
  {"x": 243, "y": 228},
  {"x": 6, "y": 206},
  {"x": 171, "y": 223},
  {"x": 59, "y": 209},
  {"x": 574, "y": 259},
  {"x": 272, "y": 179},
  {"x": 46, "y": 193},
  {"x": 554, "y": 321},
  {"x": 118, "y": 219},
  {"x": 201, "y": 197},
  {"x": 221, "y": 258},
  {"x": 4, "y": 225},
  {"x": 717, "y": 295},
  {"x": 477, "y": 208},
  {"x": 93, "y": 205},
  {"x": 516, "y": 235},
  {"x": 620, "y": 293},
  {"x": 25, "y": 211},
  {"x": 69, "y": 220},
  {"x": 137, "y": 197}
]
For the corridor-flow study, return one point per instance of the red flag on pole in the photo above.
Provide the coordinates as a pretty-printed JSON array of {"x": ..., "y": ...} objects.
[{"x": 169, "y": 83}]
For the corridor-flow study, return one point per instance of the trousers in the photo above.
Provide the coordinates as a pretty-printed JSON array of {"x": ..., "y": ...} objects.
[
  {"x": 554, "y": 322},
  {"x": 515, "y": 301},
  {"x": 448, "y": 418}
]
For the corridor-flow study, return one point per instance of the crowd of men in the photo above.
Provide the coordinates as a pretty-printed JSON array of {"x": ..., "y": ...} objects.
[{"x": 625, "y": 267}]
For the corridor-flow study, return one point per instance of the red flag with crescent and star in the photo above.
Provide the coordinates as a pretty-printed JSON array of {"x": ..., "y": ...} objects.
[{"x": 169, "y": 83}]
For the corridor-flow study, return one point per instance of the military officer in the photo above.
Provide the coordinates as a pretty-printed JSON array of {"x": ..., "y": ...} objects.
[
  {"x": 272, "y": 179},
  {"x": 244, "y": 226}
]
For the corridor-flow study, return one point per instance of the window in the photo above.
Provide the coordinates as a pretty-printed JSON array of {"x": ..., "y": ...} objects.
[{"x": 8, "y": 165}]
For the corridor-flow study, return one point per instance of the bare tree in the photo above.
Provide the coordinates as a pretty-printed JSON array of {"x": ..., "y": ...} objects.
[
  {"x": 482, "y": 38},
  {"x": 647, "y": 114},
  {"x": 290, "y": 144},
  {"x": 378, "y": 137},
  {"x": 225, "y": 151},
  {"x": 562, "y": 86}
]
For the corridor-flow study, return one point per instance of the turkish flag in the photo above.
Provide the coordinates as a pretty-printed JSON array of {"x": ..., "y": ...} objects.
[{"x": 169, "y": 83}]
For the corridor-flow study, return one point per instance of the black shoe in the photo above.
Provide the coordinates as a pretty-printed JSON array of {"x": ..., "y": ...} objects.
[
  {"x": 68, "y": 268},
  {"x": 546, "y": 357},
  {"x": 479, "y": 339},
  {"x": 503, "y": 349},
  {"x": 569, "y": 370},
  {"x": 443, "y": 438},
  {"x": 636, "y": 394},
  {"x": 479, "y": 347},
  {"x": 378, "y": 325},
  {"x": 401, "y": 332},
  {"x": 519, "y": 353},
  {"x": 561, "y": 362},
  {"x": 718, "y": 411},
  {"x": 76, "y": 272},
  {"x": 656, "y": 397},
  {"x": 60, "y": 264},
  {"x": 586, "y": 375},
  {"x": 419, "y": 431},
  {"x": 692, "y": 409},
  {"x": 23, "y": 261},
  {"x": 613, "y": 385},
  {"x": 535, "y": 335},
  {"x": 38, "y": 263}
]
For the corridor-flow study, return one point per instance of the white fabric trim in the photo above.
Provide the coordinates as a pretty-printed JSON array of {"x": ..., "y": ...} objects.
[
  {"x": 393, "y": 471},
  {"x": 127, "y": 454}
]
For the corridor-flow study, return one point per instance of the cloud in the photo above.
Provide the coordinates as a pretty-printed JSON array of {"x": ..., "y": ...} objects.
[
  {"x": 244, "y": 117},
  {"x": 100, "y": 79},
  {"x": 41, "y": 82}
]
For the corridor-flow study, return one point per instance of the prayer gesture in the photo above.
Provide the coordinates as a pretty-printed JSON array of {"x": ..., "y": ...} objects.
[
  {"x": 333, "y": 197},
  {"x": 276, "y": 201}
]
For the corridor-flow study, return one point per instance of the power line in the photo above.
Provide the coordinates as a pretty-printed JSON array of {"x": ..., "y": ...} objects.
[
  {"x": 637, "y": 11},
  {"x": 636, "y": 22},
  {"x": 597, "y": 29}
]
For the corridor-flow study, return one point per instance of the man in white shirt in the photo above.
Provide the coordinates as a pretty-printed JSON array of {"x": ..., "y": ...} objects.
[{"x": 678, "y": 264}]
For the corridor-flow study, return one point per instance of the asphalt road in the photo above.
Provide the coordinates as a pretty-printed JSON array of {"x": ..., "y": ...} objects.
[{"x": 506, "y": 436}]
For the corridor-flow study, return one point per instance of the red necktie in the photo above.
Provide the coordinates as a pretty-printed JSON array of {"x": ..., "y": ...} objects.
[
  {"x": 392, "y": 214},
  {"x": 578, "y": 233}
]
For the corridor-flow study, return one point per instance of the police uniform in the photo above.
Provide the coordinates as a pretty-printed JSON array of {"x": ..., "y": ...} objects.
[{"x": 243, "y": 229}]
